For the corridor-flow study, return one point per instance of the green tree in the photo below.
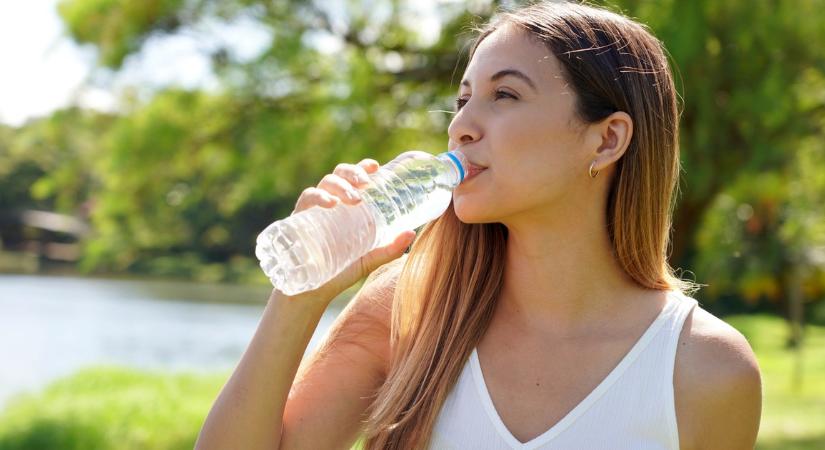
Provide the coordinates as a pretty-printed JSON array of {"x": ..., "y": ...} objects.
[
  {"x": 235, "y": 159},
  {"x": 753, "y": 106},
  {"x": 193, "y": 176}
]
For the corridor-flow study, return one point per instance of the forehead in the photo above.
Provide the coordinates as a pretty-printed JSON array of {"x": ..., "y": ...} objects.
[{"x": 511, "y": 48}]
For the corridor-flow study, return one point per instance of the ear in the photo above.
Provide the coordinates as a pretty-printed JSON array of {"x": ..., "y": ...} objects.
[{"x": 611, "y": 137}]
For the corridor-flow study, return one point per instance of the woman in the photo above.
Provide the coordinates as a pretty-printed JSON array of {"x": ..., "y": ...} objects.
[{"x": 539, "y": 311}]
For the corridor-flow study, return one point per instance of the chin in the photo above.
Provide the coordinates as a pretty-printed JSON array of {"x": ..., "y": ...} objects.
[{"x": 470, "y": 212}]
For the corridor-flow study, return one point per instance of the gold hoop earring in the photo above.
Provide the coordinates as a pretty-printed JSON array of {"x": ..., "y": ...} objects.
[{"x": 593, "y": 175}]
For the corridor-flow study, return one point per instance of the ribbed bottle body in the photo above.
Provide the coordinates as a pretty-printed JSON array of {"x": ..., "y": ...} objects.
[{"x": 307, "y": 249}]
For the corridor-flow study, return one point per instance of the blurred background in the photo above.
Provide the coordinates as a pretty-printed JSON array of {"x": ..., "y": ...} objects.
[{"x": 143, "y": 145}]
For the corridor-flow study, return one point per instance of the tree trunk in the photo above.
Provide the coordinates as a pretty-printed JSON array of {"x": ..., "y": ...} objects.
[{"x": 797, "y": 323}]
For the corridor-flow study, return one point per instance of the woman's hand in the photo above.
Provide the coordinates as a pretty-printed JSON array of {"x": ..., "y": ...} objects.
[{"x": 342, "y": 186}]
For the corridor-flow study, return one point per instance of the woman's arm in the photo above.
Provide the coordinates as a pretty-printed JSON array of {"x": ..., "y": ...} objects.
[
  {"x": 264, "y": 404},
  {"x": 247, "y": 413},
  {"x": 334, "y": 388}
]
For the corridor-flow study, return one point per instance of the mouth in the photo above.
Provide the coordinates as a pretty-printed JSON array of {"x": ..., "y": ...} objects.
[{"x": 473, "y": 170}]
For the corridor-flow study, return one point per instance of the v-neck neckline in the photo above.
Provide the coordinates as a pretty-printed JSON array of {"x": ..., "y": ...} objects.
[{"x": 582, "y": 406}]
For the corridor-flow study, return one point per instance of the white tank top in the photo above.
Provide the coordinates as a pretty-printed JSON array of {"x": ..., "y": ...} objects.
[{"x": 631, "y": 409}]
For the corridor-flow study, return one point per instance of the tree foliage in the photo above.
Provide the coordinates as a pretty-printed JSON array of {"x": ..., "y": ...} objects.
[{"x": 194, "y": 175}]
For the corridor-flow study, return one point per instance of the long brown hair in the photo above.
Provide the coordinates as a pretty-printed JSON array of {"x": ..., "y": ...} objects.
[{"x": 449, "y": 283}]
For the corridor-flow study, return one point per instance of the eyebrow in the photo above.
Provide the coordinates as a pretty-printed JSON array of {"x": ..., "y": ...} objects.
[{"x": 504, "y": 73}]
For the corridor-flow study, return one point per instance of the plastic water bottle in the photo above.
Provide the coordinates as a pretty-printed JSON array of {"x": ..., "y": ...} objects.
[{"x": 307, "y": 249}]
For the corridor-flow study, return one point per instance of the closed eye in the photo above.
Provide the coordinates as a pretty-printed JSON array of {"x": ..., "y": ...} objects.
[
  {"x": 499, "y": 94},
  {"x": 504, "y": 94}
]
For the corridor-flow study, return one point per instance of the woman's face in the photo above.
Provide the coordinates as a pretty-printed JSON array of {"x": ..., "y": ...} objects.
[{"x": 516, "y": 117}]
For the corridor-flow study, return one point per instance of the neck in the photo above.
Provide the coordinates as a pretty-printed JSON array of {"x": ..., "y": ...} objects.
[{"x": 561, "y": 276}]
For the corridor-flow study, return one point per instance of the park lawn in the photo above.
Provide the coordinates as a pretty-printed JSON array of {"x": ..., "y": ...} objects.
[
  {"x": 117, "y": 408},
  {"x": 111, "y": 408},
  {"x": 793, "y": 417}
]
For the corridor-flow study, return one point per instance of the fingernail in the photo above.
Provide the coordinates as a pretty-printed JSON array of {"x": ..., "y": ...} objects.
[{"x": 354, "y": 196}]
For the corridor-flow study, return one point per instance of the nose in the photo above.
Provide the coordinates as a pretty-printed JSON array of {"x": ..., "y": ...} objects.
[{"x": 464, "y": 128}]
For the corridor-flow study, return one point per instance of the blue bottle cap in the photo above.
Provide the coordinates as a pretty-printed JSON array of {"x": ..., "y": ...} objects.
[{"x": 458, "y": 164}]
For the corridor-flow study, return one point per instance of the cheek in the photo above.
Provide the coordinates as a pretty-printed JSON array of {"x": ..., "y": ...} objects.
[
  {"x": 500, "y": 198},
  {"x": 534, "y": 171},
  {"x": 525, "y": 175},
  {"x": 536, "y": 180},
  {"x": 491, "y": 195}
]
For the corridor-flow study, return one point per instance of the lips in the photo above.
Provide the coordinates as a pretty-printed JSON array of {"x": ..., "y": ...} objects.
[{"x": 473, "y": 170}]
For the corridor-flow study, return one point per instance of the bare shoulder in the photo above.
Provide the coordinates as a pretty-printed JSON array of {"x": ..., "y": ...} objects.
[
  {"x": 709, "y": 344},
  {"x": 717, "y": 384}
]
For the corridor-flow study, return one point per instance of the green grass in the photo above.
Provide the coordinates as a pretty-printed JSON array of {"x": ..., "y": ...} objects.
[
  {"x": 793, "y": 416},
  {"x": 115, "y": 408},
  {"x": 111, "y": 408}
]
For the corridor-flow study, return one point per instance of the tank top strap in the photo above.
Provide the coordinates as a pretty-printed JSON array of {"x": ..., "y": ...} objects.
[
  {"x": 684, "y": 306},
  {"x": 680, "y": 310}
]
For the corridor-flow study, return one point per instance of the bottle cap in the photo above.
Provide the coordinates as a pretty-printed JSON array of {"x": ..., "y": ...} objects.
[{"x": 460, "y": 161}]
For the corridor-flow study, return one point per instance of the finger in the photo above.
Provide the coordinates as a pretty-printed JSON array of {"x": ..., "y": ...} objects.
[
  {"x": 355, "y": 174},
  {"x": 313, "y": 196},
  {"x": 369, "y": 165},
  {"x": 368, "y": 263},
  {"x": 404, "y": 240},
  {"x": 383, "y": 255},
  {"x": 340, "y": 188}
]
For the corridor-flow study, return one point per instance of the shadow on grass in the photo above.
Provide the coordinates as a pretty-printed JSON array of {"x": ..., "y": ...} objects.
[
  {"x": 814, "y": 442},
  {"x": 52, "y": 434}
]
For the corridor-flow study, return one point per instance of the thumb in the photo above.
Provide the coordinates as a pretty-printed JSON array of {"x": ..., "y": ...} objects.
[{"x": 383, "y": 255}]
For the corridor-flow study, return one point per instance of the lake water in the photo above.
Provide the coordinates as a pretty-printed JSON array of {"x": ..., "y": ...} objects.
[{"x": 51, "y": 326}]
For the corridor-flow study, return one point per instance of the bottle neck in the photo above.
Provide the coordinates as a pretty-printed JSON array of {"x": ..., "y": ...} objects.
[{"x": 457, "y": 163}]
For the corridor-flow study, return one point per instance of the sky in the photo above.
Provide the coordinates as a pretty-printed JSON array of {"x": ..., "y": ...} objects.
[{"x": 43, "y": 69}]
